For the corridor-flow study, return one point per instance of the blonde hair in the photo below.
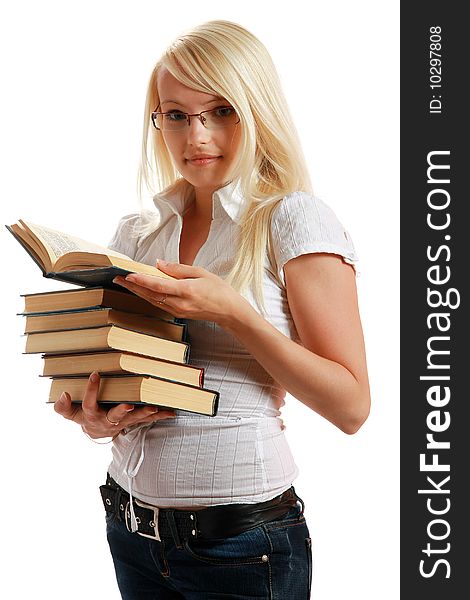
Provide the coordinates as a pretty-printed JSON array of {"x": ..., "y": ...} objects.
[{"x": 222, "y": 58}]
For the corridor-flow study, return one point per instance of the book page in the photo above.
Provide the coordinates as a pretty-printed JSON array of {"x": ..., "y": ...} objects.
[{"x": 58, "y": 243}]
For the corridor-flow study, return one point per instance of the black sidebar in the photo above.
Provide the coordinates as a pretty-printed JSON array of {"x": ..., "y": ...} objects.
[{"x": 435, "y": 318}]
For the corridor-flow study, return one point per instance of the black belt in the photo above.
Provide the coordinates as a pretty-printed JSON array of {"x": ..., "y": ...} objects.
[{"x": 215, "y": 522}]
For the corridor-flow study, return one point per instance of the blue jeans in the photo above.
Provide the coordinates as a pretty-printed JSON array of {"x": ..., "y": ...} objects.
[{"x": 270, "y": 562}]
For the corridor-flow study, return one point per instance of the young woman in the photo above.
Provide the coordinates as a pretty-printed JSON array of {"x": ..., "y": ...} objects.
[{"x": 263, "y": 271}]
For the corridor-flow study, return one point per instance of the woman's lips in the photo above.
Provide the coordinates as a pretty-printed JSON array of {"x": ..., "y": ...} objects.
[{"x": 203, "y": 161}]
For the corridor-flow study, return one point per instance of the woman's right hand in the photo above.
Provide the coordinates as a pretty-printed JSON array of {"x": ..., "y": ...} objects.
[{"x": 98, "y": 423}]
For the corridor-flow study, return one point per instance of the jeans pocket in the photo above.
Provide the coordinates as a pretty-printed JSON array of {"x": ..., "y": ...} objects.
[
  {"x": 250, "y": 547},
  {"x": 290, "y": 559}
]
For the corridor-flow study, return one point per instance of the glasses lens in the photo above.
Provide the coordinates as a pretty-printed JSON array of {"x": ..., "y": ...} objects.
[
  {"x": 172, "y": 121},
  {"x": 224, "y": 116}
]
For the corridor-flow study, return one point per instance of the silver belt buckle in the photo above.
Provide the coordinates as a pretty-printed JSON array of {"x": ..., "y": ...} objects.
[{"x": 153, "y": 523}]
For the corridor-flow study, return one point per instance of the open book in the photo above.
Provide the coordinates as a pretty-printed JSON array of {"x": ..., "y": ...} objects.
[{"x": 68, "y": 258}]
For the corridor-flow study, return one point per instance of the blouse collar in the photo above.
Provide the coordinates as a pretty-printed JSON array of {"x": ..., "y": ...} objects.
[{"x": 228, "y": 199}]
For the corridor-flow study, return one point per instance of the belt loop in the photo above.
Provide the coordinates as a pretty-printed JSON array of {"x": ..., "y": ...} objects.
[
  {"x": 170, "y": 515},
  {"x": 299, "y": 499},
  {"x": 117, "y": 500}
]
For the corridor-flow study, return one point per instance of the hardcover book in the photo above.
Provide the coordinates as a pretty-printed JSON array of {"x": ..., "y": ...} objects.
[
  {"x": 80, "y": 319},
  {"x": 68, "y": 258},
  {"x": 91, "y": 298},
  {"x": 113, "y": 361},
  {"x": 107, "y": 337},
  {"x": 138, "y": 389}
]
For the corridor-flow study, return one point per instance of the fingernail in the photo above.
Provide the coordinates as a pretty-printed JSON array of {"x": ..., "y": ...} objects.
[
  {"x": 94, "y": 377},
  {"x": 63, "y": 397},
  {"x": 130, "y": 409}
]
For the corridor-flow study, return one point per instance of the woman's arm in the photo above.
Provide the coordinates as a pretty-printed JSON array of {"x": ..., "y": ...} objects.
[{"x": 328, "y": 373}]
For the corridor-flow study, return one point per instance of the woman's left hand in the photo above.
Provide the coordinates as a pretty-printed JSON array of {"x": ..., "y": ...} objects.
[{"x": 195, "y": 293}]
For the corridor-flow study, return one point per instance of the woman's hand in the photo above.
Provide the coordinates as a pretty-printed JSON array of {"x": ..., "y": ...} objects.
[
  {"x": 195, "y": 293},
  {"x": 99, "y": 423}
]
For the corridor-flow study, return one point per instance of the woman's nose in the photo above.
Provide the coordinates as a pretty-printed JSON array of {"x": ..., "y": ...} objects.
[{"x": 196, "y": 132}]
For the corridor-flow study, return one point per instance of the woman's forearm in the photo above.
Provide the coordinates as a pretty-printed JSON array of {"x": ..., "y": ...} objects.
[{"x": 323, "y": 385}]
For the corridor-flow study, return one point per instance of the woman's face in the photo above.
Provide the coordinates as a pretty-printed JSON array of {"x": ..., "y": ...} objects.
[{"x": 184, "y": 145}]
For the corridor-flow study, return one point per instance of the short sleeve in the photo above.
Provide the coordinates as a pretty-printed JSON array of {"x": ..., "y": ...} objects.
[
  {"x": 301, "y": 224},
  {"x": 125, "y": 238}
]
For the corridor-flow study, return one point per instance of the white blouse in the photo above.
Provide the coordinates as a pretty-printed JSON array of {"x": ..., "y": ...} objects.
[{"x": 240, "y": 455}]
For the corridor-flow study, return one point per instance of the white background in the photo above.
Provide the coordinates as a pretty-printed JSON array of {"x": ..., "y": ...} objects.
[{"x": 74, "y": 76}]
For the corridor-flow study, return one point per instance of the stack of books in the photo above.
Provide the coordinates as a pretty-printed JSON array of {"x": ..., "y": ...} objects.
[{"x": 139, "y": 349}]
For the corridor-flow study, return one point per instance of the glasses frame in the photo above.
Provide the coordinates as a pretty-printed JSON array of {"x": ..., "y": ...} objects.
[{"x": 188, "y": 116}]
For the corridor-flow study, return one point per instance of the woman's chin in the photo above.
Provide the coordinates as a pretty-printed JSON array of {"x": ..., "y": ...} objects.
[{"x": 206, "y": 180}]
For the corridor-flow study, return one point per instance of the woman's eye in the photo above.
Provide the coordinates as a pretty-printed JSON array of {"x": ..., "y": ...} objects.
[
  {"x": 175, "y": 116},
  {"x": 224, "y": 111}
]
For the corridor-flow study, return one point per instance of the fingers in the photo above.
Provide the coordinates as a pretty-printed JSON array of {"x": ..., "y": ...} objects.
[
  {"x": 180, "y": 271},
  {"x": 143, "y": 288},
  {"x": 160, "y": 414},
  {"x": 112, "y": 428},
  {"x": 98, "y": 423},
  {"x": 64, "y": 406},
  {"x": 90, "y": 398},
  {"x": 118, "y": 413},
  {"x": 158, "y": 284},
  {"x": 139, "y": 283},
  {"x": 140, "y": 415},
  {"x": 95, "y": 423}
]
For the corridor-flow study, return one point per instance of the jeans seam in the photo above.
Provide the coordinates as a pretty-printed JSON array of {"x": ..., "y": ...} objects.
[
  {"x": 161, "y": 563},
  {"x": 271, "y": 550},
  {"x": 308, "y": 542}
]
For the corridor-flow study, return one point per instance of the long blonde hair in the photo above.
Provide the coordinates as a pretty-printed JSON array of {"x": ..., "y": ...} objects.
[{"x": 222, "y": 58}]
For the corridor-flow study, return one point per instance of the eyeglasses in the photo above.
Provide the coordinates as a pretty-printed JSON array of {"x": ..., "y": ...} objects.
[{"x": 176, "y": 120}]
